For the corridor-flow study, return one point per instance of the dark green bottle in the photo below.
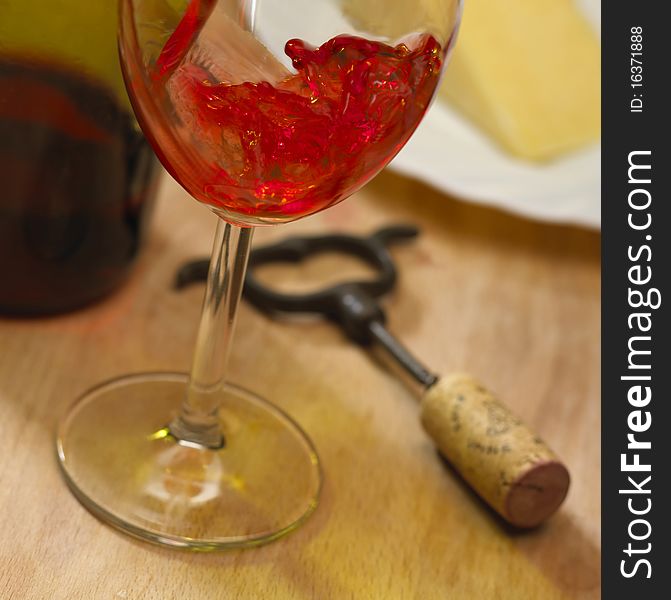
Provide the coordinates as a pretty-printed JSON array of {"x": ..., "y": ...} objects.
[{"x": 77, "y": 178}]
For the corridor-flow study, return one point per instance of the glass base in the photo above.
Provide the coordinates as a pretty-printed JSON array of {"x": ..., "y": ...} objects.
[{"x": 121, "y": 462}]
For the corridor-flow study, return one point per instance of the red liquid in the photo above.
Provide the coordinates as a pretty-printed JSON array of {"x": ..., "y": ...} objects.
[{"x": 277, "y": 153}]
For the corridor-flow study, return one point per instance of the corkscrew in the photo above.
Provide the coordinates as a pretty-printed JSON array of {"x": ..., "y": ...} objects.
[{"x": 509, "y": 466}]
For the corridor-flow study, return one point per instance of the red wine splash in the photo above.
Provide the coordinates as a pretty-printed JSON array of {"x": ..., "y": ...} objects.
[
  {"x": 283, "y": 151},
  {"x": 182, "y": 38}
]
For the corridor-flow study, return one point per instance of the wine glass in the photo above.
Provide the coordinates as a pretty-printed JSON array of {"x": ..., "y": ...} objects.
[{"x": 266, "y": 111}]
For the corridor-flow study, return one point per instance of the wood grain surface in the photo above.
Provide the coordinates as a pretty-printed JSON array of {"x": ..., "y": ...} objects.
[{"x": 514, "y": 302}]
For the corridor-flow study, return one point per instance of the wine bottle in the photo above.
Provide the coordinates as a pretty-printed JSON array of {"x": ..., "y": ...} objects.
[{"x": 77, "y": 178}]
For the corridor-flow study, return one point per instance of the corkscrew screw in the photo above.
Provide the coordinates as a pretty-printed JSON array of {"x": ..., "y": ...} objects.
[{"x": 509, "y": 466}]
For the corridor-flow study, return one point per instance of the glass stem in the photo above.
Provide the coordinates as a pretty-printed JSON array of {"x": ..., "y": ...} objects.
[{"x": 198, "y": 421}]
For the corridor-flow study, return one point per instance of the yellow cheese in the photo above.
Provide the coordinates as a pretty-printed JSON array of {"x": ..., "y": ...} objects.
[{"x": 528, "y": 73}]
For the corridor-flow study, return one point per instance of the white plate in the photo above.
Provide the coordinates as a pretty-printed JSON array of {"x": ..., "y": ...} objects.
[{"x": 449, "y": 153}]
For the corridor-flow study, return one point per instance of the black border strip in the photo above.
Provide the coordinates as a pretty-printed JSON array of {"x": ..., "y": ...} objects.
[{"x": 635, "y": 245}]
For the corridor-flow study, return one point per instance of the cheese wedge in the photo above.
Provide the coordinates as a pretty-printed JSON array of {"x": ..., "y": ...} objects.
[{"x": 528, "y": 73}]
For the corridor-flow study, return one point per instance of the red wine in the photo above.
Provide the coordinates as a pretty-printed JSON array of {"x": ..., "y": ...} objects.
[
  {"x": 277, "y": 151},
  {"x": 77, "y": 181}
]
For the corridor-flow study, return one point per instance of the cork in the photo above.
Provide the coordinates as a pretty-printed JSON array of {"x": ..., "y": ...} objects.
[{"x": 507, "y": 464}]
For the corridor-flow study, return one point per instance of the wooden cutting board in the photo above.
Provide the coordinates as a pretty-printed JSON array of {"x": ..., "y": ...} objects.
[{"x": 512, "y": 301}]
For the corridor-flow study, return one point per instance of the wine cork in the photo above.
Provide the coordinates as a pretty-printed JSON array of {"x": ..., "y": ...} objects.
[{"x": 508, "y": 465}]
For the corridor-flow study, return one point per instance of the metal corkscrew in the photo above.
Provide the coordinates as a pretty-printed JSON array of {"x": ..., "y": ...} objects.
[{"x": 505, "y": 462}]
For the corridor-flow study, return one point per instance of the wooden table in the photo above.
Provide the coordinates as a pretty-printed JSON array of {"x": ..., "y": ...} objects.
[{"x": 512, "y": 301}]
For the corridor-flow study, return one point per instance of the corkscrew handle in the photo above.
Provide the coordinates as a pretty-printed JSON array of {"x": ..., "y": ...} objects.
[{"x": 507, "y": 464}]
